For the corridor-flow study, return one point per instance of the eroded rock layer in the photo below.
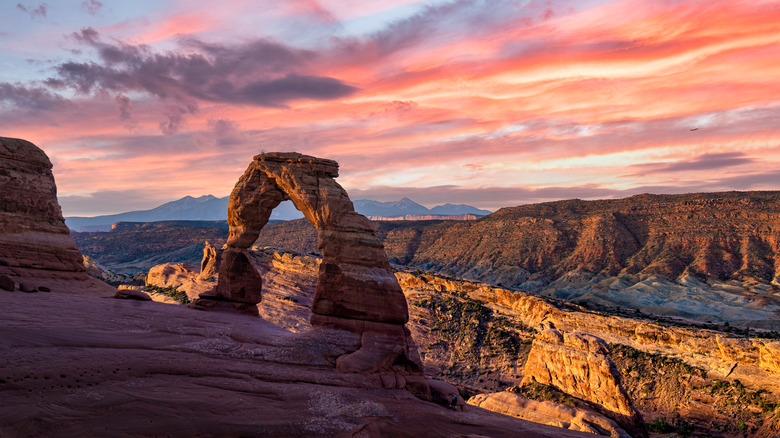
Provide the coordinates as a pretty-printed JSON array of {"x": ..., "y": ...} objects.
[{"x": 36, "y": 249}]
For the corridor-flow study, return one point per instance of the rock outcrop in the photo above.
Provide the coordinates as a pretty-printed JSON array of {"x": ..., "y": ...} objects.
[
  {"x": 547, "y": 412},
  {"x": 577, "y": 364},
  {"x": 212, "y": 259},
  {"x": 36, "y": 248},
  {"x": 356, "y": 289}
]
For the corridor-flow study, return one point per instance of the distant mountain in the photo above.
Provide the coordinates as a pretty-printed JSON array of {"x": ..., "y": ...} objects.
[
  {"x": 457, "y": 209},
  {"x": 407, "y": 207},
  {"x": 204, "y": 208},
  {"x": 211, "y": 208},
  {"x": 208, "y": 208},
  {"x": 389, "y": 209}
]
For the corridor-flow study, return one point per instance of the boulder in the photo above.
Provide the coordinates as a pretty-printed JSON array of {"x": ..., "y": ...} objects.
[
  {"x": 27, "y": 287},
  {"x": 170, "y": 274},
  {"x": 35, "y": 244},
  {"x": 132, "y": 294},
  {"x": 6, "y": 283}
]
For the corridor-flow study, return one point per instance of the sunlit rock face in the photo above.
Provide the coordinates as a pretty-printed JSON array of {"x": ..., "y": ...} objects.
[
  {"x": 36, "y": 249},
  {"x": 578, "y": 364},
  {"x": 356, "y": 289}
]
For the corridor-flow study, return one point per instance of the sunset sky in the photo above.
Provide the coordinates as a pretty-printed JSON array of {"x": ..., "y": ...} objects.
[{"x": 491, "y": 103}]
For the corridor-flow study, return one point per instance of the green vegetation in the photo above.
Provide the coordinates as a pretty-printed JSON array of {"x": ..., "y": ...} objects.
[
  {"x": 170, "y": 291},
  {"x": 290, "y": 299},
  {"x": 659, "y": 425},
  {"x": 664, "y": 384},
  {"x": 734, "y": 393},
  {"x": 657, "y": 360},
  {"x": 541, "y": 392},
  {"x": 474, "y": 329}
]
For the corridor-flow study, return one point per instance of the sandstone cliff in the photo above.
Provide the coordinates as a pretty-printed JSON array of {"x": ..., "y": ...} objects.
[{"x": 36, "y": 249}]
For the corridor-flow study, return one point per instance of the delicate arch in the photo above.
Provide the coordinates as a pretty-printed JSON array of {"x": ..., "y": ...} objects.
[{"x": 355, "y": 281}]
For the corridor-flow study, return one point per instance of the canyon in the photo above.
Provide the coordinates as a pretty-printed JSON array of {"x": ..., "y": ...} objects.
[
  {"x": 481, "y": 338},
  {"x": 708, "y": 257},
  {"x": 633, "y": 317}
]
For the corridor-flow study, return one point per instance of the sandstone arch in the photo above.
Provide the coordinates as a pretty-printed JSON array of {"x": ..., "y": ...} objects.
[{"x": 356, "y": 288}]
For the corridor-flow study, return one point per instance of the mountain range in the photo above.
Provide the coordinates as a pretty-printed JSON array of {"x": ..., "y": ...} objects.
[{"x": 211, "y": 208}]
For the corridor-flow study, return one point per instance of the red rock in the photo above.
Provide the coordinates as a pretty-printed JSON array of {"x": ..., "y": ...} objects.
[
  {"x": 238, "y": 279},
  {"x": 6, "y": 283},
  {"x": 34, "y": 241},
  {"x": 131, "y": 294},
  {"x": 356, "y": 289},
  {"x": 579, "y": 364},
  {"x": 212, "y": 259}
]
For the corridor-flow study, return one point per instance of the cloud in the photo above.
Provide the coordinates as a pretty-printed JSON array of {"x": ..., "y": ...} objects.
[
  {"x": 702, "y": 162},
  {"x": 39, "y": 11},
  {"x": 125, "y": 107},
  {"x": 259, "y": 72},
  {"x": 176, "y": 117},
  {"x": 92, "y": 7},
  {"x": 30, "y": 98}
]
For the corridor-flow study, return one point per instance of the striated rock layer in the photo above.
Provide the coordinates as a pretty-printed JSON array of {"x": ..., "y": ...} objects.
[
  {"x": 577, "y": 364},
  {"x": 733, "y": 235},
  {"x": 36, "y": 249}
]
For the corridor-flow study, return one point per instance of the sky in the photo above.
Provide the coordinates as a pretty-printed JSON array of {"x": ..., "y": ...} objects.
[{"x": 490, "y": 103}]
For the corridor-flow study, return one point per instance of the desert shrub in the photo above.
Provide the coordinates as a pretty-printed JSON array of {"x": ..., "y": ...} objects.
[
  {"x": 172, "y": 292},
  {"x": 659, "y": 425}
]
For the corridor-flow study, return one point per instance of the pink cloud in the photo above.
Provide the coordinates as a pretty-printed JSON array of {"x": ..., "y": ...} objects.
[{"x": 533, "y": 97}]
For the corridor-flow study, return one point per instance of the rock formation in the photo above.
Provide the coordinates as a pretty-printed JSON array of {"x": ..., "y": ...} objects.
[
  {"x": 356, "y": 289},
  {"x": 547, "y": 412},
  {"x": 35, "y": 246},
  {"x": 212, "y": 258},
  {"x": 579, "y": 364},
  {"x": 733, "y": 235}
]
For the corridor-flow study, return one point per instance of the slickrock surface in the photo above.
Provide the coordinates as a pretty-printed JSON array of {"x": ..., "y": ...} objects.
[
  {"x": 78, "y": 366},
  {"x": 36, "y": 248},
  {"x": 547, "y": 412}
]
